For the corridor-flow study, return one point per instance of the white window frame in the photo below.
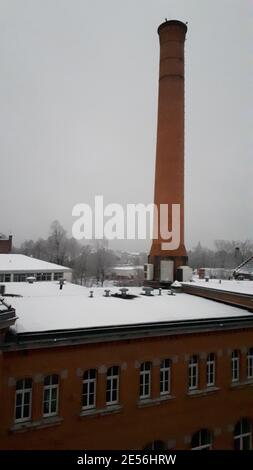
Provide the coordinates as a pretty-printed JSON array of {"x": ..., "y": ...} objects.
[
  {"x": 165, "y": 377},
  {"x": 250, "y": 363},
  {"x": 210, "y": 370},
  {"x": 145, "y": 379},
  {"x": 203, "y": 446},
  {"x": 235, "y": 365},
  {"x": 242, "y": 435},
  {"x": 110, "y": 380},
  {"x": 50, "y": 387},
  {"x": 89, "y": 381},
  {"x": 193, "y": 372},
  {"x": 22, "y": 391}
]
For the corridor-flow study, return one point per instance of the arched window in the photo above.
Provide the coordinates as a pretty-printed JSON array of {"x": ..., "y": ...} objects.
[
  {"x": 243, "y": 435},
  {"x": 89, "y": 389},
  {"x": 250, "y": 363},
  {"x": 201, "y": 440},
  {"x": 112, "y": 385},
  {"x": 193, "y": 373},
  {"x": 235, "y": 365},
  {"x": 51, "y": 395},
  {"x": 210, "y": 370},
  {"x": 145, "y": 380},
  {"x": 23, "y": 406},
  {"x": 165, "y": 377}
]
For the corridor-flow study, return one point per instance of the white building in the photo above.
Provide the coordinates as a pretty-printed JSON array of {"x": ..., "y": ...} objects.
[{"x": 16, "y": 268}]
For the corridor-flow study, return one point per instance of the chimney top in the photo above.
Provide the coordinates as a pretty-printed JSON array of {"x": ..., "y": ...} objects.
[{"x": 172, "y": 23}]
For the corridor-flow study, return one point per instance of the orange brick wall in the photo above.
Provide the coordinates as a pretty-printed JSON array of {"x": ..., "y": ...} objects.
[{"x": 133, "y": 427}]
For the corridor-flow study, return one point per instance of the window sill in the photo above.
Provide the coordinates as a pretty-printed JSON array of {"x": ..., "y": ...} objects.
[
  {"x": 154, "y": 401},
  {"x": 245, "y": 383},
  {"x": 43, "y": 423},
  {"x": 103, "y": 411},
  {"x": 204, "y": 392}
]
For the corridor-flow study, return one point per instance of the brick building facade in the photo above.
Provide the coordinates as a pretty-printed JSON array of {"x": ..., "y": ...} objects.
[{"x": 161, "y": 385}]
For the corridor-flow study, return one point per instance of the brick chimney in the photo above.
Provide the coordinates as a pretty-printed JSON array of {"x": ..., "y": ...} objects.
[
  {"x": 169, "y": 171},
  {"x": 6, "y": 245}
]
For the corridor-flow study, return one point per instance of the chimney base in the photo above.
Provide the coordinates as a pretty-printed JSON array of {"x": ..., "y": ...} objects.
[{"x": 157, "y": 280}]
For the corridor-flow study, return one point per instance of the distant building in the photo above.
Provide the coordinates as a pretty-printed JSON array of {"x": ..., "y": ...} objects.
[
  {"x": 127, "y": 274},
  {"x": 5, "y": 244},
  {"x": 215, "y": 273},
  {"x": 17, "y": 268}
]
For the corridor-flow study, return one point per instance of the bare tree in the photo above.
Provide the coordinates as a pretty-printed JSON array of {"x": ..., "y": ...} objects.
[{"x": 57, "y": 243}]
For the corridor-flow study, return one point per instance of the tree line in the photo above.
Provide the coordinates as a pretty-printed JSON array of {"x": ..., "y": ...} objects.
[
  {"x": 88, "y": 262},
  {"x": 92, "y": 261}
]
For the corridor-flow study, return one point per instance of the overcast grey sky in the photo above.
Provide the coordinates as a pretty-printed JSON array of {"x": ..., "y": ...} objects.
[{"x": 78, "y": 93}]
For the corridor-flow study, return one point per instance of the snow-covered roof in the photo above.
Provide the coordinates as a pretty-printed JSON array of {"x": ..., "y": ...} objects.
[
  {"x": 21, "y": 263},
  {"x": 127, "y": 268},
  {"x": 44, "y": 307},
  {"x": 240, "y": 287}
]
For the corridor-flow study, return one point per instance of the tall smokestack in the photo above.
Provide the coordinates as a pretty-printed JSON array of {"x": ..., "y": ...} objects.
[{"x": 169, "y": 172}]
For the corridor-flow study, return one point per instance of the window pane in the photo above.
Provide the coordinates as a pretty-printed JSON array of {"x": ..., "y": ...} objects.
[
  {"x": 26, "y": 398},
  {"x": 85, "y": 401},
  {"x": 246, "y": 443},
  {"x": 46, "y": 394},
  {"x": 91, "y": 399},
  {"x": 93, "y": 373},
  {"x": 18, "y": 412},
  {"x": 237, "y": 444},
  {"x": 18, "y": 399},
  {"x": 245, "y": 426},
  {"x": 20, "y": 384},
  {"x": 46, "y": 407},
  {"x": 54, "y": 379},
  {"x": 26, "y": 411},
  {"x": 47, "y": 380},
  {"x": 53, "y": 406}
]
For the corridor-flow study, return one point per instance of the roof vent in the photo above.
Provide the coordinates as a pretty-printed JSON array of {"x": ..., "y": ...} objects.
[
  {"x": 176, "y": 287},
  {"x": 124, "y": 291},
  {"x": 123, "y": 294},
  {"x": 147, "y": 291}
]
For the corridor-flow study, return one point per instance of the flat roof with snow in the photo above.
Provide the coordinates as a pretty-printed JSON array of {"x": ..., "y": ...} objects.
[
  {"x": 21, "y": 263},
  {"x": 239, "y": 287},
  {"x": 43, "y": 307}
]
